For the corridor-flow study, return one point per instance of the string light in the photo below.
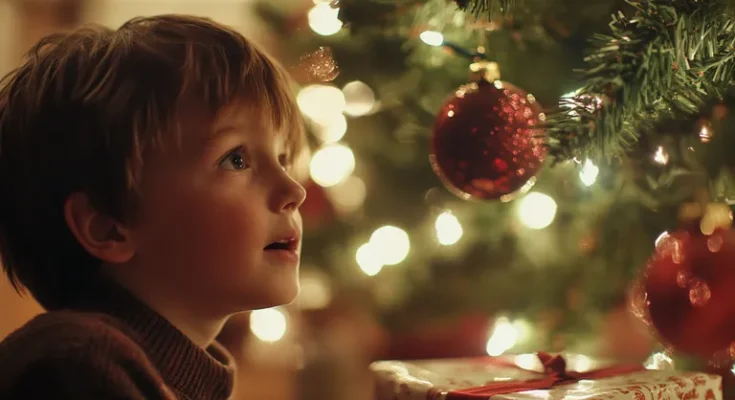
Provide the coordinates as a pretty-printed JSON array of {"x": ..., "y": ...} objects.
[
  {"x": 324, "y": 19},
  {"x": 332, "y": 165},
  {"x": 661, "y": 156},
  {"x": 368, "y": 260},
  {"x": 448, "y": 228},
  {"x": 432, "y": 38},
  {"x": 503, "y": 338},
  {"x": 537, "y": 210},
  {"x": 360, "y": 99},
  {"x": 589, "y": 172},
  {"x": 268, "y": 325},
  {"x": 391, "y": 243}
]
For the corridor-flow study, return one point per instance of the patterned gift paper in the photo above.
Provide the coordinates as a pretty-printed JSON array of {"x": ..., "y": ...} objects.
[{"x": 431, "y": 380}]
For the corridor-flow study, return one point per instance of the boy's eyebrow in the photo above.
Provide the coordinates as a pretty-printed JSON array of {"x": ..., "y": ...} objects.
[{"x": 224, "y": 130}]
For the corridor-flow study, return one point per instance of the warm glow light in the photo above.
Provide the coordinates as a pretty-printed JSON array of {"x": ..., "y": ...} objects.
[
  {"x": 589, "y": 172},
  {"x": 503, "y": 338},
  {"x": 321, "y": 103},
  {"x": 391, "y": 243},
  {"x": 359, "y": 97},
  {"x": 333, "y": 130},
  {"x": 368, "y": 260},
  {"x": 659, "y": 361},
  {"x": 349, "y": 195},
  {"x": 432, "y": 38},
  {"x": 448, "y": 228},
  {"x": 537, "y": 210},
  {"x": 332, "y": 165},
  {"x": 661, "y": 156},
  {"x": 268, "y": 325},
  {"x": 324, "y": 20}
]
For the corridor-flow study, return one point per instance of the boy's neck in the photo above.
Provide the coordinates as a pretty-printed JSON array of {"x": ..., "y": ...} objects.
[
  {"x": 180, "y": 346},
  {"x": 200, "y": 329}
]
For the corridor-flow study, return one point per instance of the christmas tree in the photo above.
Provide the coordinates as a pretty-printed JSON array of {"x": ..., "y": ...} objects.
[{"x": 627, "y": 102}]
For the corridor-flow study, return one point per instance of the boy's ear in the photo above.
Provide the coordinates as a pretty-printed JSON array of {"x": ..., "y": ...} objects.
[{"x": 101, "y": 235}]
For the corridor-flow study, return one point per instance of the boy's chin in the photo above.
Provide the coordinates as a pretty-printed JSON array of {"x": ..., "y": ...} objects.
[{"x": 281, "y": 296}]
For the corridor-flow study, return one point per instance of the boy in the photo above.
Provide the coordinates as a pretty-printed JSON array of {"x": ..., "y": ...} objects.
[{"x": 145, "y": 198}]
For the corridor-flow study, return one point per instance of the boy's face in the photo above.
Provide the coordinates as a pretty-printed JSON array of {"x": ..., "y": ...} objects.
[{"x": 219, "y": 222}]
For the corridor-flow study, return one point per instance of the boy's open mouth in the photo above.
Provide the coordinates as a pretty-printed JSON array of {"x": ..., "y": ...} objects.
[{"x": 285, "y": 244}]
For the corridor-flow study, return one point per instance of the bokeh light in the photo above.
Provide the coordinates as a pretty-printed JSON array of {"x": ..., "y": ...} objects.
[
  {"x": 391, "y": 243},
  {"x": 432, "y": 38},
  {"x": 324, "y": 19},
  {"x": 348, "y": 196},
  {"x": 331, "y": 131},
  {"x": 537, "y": 210},
  {"x": 503, "y": 337},
  {"x": 448, "y": 229},
  {"x": 321, "y": 103},
  {"x": 268, "y": 325},
  {"x": 368, "y": 260},
  {"x": 332, "y": 165},
  {"x": 359, "y": 97},
  {"x": 589, "y": 172}
]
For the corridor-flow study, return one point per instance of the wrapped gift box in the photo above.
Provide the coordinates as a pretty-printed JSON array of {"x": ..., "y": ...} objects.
[{"x": 577, "y": 377}]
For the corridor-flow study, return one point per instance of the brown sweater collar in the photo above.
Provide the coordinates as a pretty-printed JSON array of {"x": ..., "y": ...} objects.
[{"x": 185, "y": 367}]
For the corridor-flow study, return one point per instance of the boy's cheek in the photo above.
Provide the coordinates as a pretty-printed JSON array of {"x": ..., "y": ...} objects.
[{"x": 202, "y": 221}]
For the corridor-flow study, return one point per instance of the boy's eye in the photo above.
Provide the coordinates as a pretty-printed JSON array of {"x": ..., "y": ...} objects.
[
  {"x": 285, "y": 161},
  {"x": 234, "y": 161}
]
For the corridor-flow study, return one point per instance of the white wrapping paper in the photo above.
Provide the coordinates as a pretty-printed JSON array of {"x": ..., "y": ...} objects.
[{"x": 433, "y": 379}]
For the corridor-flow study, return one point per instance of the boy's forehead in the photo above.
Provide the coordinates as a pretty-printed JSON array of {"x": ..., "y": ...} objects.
[
  {"x": 200, "y": 127},
  {"x": 233, "y": 119},
  {"x": 241, "y": 113}
]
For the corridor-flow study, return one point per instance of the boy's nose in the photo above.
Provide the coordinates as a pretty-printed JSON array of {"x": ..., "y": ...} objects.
[{"x": 292, "y": 194}]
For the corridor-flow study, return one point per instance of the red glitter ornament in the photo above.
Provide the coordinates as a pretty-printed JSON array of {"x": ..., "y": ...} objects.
[
  {"x": 687, "y": 293},
  {"x": 486, "y": 143}
]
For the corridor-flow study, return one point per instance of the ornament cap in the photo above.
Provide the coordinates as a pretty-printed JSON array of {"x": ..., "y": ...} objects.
[{"x": 487, "y": 70}]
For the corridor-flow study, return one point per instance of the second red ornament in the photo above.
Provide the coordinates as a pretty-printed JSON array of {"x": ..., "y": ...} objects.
[{"x": 687, "y": 293}]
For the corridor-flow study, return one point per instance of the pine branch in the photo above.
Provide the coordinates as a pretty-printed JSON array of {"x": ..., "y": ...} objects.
[
  {"x": 669, "y": 58},
  {"x": 480, "y": 8}
]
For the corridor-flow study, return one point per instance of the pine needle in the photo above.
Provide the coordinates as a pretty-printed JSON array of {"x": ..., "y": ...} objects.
[{"x": 667, "y": 59}]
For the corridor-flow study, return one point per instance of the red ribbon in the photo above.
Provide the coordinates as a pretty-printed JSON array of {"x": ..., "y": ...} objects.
[{"x": 555, "y": 373}]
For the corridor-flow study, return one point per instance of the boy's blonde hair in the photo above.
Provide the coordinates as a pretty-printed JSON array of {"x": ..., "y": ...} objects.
[{"x": 85, "y": 109}]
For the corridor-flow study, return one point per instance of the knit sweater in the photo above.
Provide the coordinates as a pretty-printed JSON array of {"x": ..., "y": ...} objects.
[{"x": 110, "y": 346}]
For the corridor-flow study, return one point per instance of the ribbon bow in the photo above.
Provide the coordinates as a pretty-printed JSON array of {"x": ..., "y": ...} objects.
[{"x": 555, "y": 373}]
